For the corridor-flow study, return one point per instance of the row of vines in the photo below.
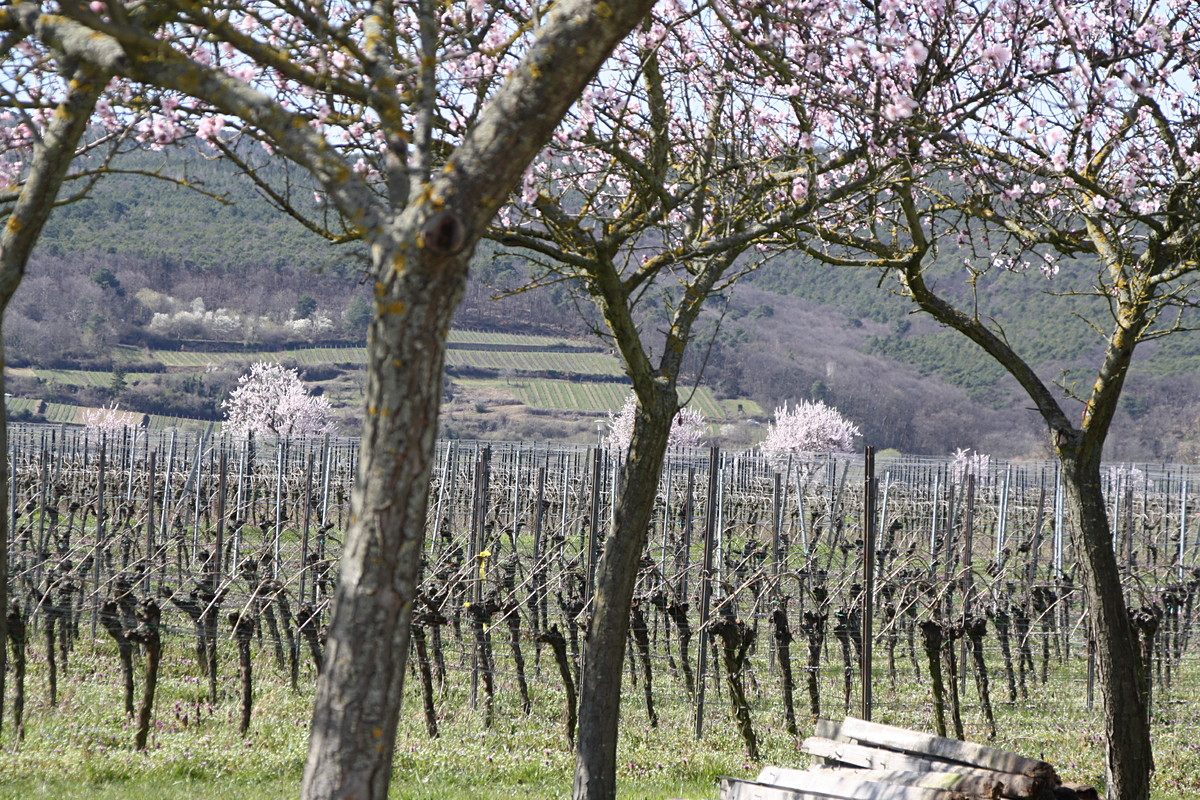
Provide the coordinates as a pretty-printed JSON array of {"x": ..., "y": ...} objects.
[{"x": 765, "y": 593}]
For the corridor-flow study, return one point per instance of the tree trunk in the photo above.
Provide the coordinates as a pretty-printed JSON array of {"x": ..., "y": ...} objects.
[
  {"x": 362, "y": 677},
  {"x": 641, "y": 636},
  {"x": 110, "y": 620},
  {"x": 736, "y": 638},
  {"x": 783, "y": 639},
  {"x": 932, "y": 633},
  {"x": 558, "y": 645},
  {"x": 975, "y": 630},
  {"x": 419, "y": 264},
  {"x": 418, "y": 636},
  {"x": 1126, "y": 719},
  {"x": 604, "y": 650},
  {"x": 16, "y": 636}
]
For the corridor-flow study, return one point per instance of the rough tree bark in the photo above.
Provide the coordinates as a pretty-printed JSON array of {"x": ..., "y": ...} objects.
[{"x": 616, "y": 574}]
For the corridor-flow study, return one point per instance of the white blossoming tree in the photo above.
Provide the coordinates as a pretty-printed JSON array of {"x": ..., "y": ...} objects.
[
  {"x": 110, "y": 418},
  {"x": 272, "y": 399},
  {"x": 969, "y": 462},
  {"x": 689, "y": 429},
  {"x": 808, "y": 427}
]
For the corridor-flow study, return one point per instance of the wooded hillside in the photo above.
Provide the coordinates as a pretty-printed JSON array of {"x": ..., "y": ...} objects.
[{"x": 142, "y": 266}]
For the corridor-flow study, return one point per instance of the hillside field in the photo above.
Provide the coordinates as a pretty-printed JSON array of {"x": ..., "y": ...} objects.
[{"x": 565, "y": 383}]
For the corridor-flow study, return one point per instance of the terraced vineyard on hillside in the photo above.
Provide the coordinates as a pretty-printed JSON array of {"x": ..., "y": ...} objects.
[{"x": 543, "y": 373}]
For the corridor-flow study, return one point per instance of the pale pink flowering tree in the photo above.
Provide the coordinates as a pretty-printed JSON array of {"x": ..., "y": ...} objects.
[
  {"x": 271, "y": 399},
  {"x": 969, "y": 463},
  {"x": 109, "y": 419},
  {"x": 446, "y": 104},
  {"x": 1032, "y": 132},
  {"x": 688, "y": 429},
  {"x": 674, "y": 175},
  {"x": 808, "y": 427}
]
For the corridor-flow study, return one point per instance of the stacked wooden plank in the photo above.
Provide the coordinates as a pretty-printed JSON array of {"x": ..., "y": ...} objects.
[{"x": 859, "y": 760}]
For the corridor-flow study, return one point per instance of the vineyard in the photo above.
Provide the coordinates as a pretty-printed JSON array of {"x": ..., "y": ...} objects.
[
  {"x": 548, "y": 375},
  {"x": 749, "y": 615}
]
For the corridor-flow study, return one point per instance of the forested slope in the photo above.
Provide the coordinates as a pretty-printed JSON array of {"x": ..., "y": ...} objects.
[{"x": 144, "y": 264}]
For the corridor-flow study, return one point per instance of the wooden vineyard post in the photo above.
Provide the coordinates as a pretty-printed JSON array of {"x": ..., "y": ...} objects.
[
  {"x": 593, "y": 538},
  {"x": 42, "y": 504},
  {"x": 308, "y": 477},
  {"x": 98, "y": 545},
  {"x": 776, "y": 569},
  {"x": 710, "y": 535},
  {"x": 777, "y": 555},
  {"x": 868, "y": 631},
  {"x": 475, "y": 558},
  {"x": 689, "y": 511},
  {"x": 967, "y": 577},
  {"x": 327, "y": 470},
  {"x": 218, "y": 549},
  {"x": 281, "y": 448},
  {"x": 537, "y": 581},
  {"x": 1183, "y": 506}
]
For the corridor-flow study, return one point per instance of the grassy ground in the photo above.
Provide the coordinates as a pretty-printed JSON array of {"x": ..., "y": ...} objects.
[{"x": 81, "y": 749}]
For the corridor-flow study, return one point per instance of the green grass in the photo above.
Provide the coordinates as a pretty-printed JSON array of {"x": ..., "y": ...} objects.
[{"x": 81, "y": 749}]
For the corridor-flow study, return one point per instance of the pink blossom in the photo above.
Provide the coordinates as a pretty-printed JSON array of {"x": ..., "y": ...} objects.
[
  {"x": 915, "y": 53},
  {"x": 689, "y": 428},
  {"x": 901, "y": 107},
  {"x": 799, "y": 190},
  {"x": 999, "y": 54},
  {"x": 209, "y": 127}
]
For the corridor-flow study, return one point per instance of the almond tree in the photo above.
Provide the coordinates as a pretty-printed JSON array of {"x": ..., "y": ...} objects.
[
  {"x": 109, "y": 418},
  {"x": 808, "y": 427},
  {"x": 667, "y": 182},
  {"x": 413, "y": 123},
  {"x": 688, "y": 429},
  {"x": 1030, "y": 132},
  {"x": 272, "y": 399}
]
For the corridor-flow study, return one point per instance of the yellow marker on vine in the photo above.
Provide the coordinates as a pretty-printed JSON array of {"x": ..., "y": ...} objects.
[{"x": 483, "y": 557}]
